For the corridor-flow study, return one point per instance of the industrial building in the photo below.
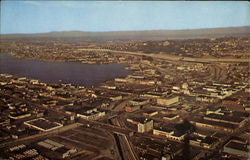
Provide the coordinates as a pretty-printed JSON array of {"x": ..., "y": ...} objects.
[
  {"x": 42, "y": 124},
  {"x": 58, "y": 149}
]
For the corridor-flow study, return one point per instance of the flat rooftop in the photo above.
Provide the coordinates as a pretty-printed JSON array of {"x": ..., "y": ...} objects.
[
  {"x": 43, "y": 124},
  {"x": 225, "y": 118},
  {"x": 237, "y": 146},
  {"x": 141, "y": 119},
  {"x": 220, "y": 124}
]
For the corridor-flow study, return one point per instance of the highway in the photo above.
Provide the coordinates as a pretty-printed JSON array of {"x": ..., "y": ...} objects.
[
  {"x": 108, "y": 127},
  {"x": 125, "y": 143},
  {"x": 171, "y": 57}
]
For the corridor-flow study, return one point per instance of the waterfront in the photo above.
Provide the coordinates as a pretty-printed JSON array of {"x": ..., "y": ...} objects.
[{"x": 66, "y": 72}]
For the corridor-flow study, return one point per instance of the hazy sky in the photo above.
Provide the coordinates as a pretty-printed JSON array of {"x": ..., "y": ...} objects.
[{"x": 46, "y": 16}]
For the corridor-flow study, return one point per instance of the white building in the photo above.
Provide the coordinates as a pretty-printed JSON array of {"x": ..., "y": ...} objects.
[
  {"x": 91, "y": 113},
  {"x": 143, "y": 124},
  {"x": 167, "y": 100}
]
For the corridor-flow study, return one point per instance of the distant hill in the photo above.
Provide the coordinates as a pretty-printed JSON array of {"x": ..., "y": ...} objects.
[{"x": 139, "y": 35}]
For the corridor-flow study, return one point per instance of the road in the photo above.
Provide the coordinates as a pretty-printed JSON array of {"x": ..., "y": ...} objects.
[
  {"x": 125, "y": 143},
  {"x": 56, "y": 131},
  {"x": 171, "y": 57},
  {"x": 104, "y": 126},
  {"x": 124, "y": 138}
]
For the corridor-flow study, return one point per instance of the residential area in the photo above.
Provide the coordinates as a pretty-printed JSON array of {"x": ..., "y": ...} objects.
[{"x": 166, "y": 109}]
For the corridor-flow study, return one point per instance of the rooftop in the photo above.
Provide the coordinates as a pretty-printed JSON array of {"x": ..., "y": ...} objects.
[
  {"x": 225, "y": 118},
  {"x": 237, "y": 146},
  {"x": 43, "y": 124},
  {"x": 214, "y": 123},
  {"x": 141, "y": 120}
]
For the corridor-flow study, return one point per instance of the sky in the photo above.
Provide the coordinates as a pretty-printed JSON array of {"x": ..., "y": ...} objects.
[{"x": 47, "y": 16}]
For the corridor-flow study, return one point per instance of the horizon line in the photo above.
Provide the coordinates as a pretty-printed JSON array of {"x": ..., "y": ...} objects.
[{"x": 127, "y": 30}]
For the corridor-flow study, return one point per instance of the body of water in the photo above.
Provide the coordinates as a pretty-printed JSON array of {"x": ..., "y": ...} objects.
[{"x": 62, "y": 72}]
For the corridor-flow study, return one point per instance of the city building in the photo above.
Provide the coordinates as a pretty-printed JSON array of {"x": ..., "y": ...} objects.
[
  {"x": 170, "y": 116},
  {"x": 139, "y": 101},
  {"x": 220, "y": 126},
  {"x": 165, "y": 101},
  {"x": 169, "y": 133},
  {"x": 19, "y": 115},
  {"x": 238, "y": 148},
  {"x": 58, "y": 149},
  {"x": 42, "y": 124},
  {"x": 143, "y": 124},
  {"x": 132, "y": 108},
  {"x": 90, "y": 113},
  {"x": 226, "y": 119},
  {"x": 150, "y": 113},
  {"x": 207, "y": 99}
]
